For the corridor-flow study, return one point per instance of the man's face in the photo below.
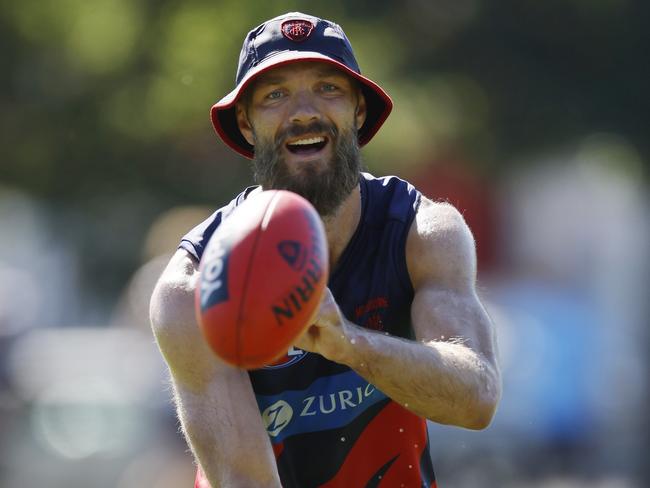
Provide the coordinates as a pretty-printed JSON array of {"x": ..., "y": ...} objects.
[{"x": 302, "y": 120}]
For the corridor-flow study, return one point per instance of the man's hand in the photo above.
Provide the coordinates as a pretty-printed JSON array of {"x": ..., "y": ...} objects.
[{"x": 327, "y": 336}]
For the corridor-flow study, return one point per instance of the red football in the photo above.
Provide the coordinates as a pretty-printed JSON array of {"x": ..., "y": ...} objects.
[{"x": 263, "y": 274}]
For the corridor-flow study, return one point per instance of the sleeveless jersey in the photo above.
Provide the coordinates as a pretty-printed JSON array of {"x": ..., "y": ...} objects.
[{"x": 328, "y": 426}]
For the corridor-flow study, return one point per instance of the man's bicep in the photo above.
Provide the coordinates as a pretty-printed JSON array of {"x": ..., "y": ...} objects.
[
  {"x": 441, "y": 256},
  {"x": 174, "y": 325},
  {"x": 440, "y": 314}
]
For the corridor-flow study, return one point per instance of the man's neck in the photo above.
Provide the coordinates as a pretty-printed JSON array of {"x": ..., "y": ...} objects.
[{"x": 341, "y": 226}]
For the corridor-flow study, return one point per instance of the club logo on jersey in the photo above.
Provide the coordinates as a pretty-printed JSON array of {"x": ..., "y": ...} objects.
[
  {"x": 214, "y": 273},
  {"x": 276, "y": 417},
  {"x": 297, "y": 30},
  {"x": 293, "y": 253},
  {"x": 292, "y": 356},
  {"x": 370, "y": 315}
]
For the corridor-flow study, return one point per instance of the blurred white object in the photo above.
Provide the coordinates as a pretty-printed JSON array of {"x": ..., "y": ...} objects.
[{"x": 87, "y": 386}]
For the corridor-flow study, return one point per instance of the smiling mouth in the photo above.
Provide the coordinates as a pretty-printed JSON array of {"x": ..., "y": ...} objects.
[{"x": 307, "y": 146}]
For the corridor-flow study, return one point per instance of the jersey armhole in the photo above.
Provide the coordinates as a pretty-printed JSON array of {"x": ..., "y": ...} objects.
[
  {"x": 190, "y": 248},
  {"x": 400, "y": 249}
]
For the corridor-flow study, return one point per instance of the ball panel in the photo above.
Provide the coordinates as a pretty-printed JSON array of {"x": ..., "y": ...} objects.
[
  {"x": 293, "y": 249},
  {"x": 220, "y": 292},
  {"x": 215, "y": 316}
]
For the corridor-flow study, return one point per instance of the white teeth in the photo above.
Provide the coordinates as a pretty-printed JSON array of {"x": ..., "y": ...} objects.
[{"x": 304, "y": 142}]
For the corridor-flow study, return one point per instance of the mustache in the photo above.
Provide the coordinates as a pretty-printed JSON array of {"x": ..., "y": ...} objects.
[
  {"x": 297, "y": 130},
  {"x": 326, "y": 188}
]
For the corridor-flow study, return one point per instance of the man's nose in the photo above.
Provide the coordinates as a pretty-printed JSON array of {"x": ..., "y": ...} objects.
[{"x": 303, "y": 109}]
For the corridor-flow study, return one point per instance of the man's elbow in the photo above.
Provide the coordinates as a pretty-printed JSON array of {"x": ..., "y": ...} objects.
[
  {"x": 482, "y": 417},
  {"x": 485, "y": 407},
  {"x": 172, "y": 302},
  {"x": 172, "y": 299},
  {"x": 161, "y": 310}
]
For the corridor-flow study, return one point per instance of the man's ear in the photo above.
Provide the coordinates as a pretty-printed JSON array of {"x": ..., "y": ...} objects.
[
  {"x": 244, "y": 124},
  {"x": 361, "y": 112}
]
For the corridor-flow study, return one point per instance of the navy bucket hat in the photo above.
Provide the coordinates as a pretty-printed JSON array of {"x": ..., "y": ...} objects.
[{"x": 287, "y": 39}]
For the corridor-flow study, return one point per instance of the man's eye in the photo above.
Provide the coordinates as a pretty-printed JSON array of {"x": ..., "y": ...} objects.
[
  {"x": 274, "y": 95},
  {"x": 329, "y": 87}
]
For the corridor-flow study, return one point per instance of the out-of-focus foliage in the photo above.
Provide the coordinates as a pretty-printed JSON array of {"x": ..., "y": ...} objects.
[{"x": 105, "y": 102}]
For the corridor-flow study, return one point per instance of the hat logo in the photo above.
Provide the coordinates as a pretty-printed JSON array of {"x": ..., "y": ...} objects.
[{"x": 297, "y": 30}]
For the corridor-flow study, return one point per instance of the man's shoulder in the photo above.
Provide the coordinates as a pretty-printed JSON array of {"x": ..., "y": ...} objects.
[
  {"x": 440, "y": 243},
  {"x": 438, "y": 217}
]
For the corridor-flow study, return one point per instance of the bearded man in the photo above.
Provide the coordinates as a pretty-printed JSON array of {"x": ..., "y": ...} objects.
[{"x": 400, "y": 337}]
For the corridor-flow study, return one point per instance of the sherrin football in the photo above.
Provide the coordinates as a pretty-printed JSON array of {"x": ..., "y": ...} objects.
[{"x": 262, "y": 277}]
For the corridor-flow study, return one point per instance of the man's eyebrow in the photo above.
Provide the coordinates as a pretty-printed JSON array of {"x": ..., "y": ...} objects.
[
  {"x": 330, "y": 71},
  {"x": 278, "y": 79},
  {"x": 270, "y": 80}
]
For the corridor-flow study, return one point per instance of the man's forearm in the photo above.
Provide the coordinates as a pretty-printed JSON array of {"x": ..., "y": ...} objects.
[
  {"x": 443, "y": 381},
  {"x": 215, "y": 402},
  {"x": 224, "y": 444}
]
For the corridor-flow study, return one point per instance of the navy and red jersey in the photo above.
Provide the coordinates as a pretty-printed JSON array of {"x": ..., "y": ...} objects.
[{"x": 328, "y": 426}]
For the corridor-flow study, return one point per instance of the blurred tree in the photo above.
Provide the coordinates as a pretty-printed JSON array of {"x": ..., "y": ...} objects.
[{"x": 105, "y": 102}]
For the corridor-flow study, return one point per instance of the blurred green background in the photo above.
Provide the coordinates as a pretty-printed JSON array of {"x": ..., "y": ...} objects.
[{"x": 532, "y": 117}]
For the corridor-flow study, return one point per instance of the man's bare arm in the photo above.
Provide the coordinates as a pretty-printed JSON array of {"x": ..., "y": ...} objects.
[
  {"x": 215, "y": 402},
  {"x": 449, "y": 375}
]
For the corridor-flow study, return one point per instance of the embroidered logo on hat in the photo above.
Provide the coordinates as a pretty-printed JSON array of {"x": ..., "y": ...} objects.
[{"x": 297, "y": 30}]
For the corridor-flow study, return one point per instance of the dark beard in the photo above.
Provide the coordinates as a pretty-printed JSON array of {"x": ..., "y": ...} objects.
[{"x": 326, "y": 190}]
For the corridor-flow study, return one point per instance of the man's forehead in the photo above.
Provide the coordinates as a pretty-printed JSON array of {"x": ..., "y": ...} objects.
[{"x": 317, "y": 68}]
